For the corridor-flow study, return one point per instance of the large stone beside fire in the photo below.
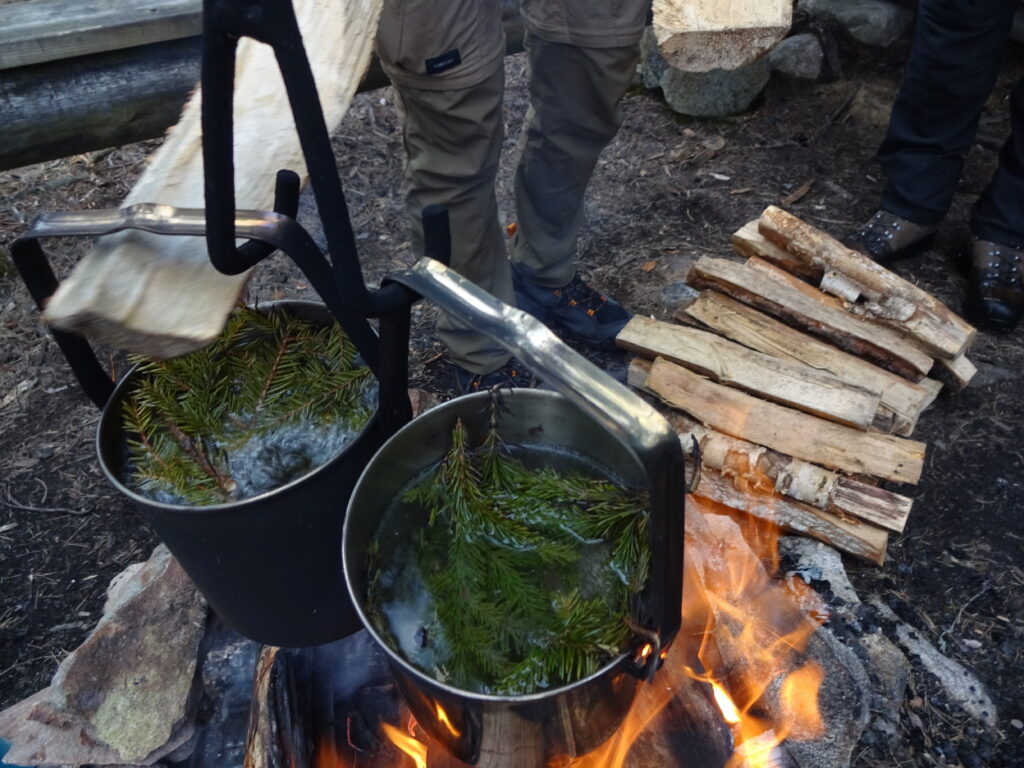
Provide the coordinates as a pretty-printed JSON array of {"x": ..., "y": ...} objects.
[{"x": 126, "y": 695}]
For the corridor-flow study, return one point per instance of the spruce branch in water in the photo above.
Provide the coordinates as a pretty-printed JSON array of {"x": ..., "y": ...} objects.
[{"x": 531, "y": 571}]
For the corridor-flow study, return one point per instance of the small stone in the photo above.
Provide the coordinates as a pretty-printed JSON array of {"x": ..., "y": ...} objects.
[
  {"x": 798, "y": 56},
  {"x": 972, "y": 644},
  {"x": 1017, "y": 724},
  {"x": 872, "y": 22},
  {"x": 675, "y": 293}
]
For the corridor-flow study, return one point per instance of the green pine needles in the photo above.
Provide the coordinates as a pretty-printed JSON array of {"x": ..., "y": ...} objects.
[
  {"x": 529, "y": 572},
  {"x": 270, "y": 400}
]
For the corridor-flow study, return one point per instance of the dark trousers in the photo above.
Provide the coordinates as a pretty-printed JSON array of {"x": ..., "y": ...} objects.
[{"x": 958, "y": 45}]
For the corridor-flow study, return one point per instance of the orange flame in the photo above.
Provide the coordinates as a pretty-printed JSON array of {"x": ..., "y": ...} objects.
[
  {"x": 414, "y": 748},
  {"x": 753, "y": 633},
  {"x": 442, "y": 717}
]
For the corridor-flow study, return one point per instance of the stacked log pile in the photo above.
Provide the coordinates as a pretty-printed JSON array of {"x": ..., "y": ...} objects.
[{"x": 802, "y": 373}]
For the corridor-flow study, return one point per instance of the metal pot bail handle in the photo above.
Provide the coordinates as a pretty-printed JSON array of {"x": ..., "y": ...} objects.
[{"x": 633, "y": 422}]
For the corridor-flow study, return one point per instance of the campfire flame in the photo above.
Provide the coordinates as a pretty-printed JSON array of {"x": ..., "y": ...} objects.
[
  {"x": 752, "y": 633},
  {"x": 414, "y": 748}
]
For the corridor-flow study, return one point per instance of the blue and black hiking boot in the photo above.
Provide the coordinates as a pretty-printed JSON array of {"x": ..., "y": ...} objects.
[
  {"x": 512, "y": 374},
  {"x": 575, "y": 311}
]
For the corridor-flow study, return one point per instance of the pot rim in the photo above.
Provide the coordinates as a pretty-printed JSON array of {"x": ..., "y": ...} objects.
[
  {"x": 396, "y": 658},
  {"x": 118, "y": 396}
]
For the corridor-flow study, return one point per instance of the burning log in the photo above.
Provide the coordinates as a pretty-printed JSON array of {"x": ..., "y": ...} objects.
[
  {"x": 861, "y": 337},
  {"x": 160, "y": 296},
  {"x": 902, "y": 401},
  {"x": 860, "y": 539},
  {"x": 757, "y": 468},
  {"x": 783, "y": 429},
  {"x": 783, "y": 381},
  {"x": 888, "y": 297}
]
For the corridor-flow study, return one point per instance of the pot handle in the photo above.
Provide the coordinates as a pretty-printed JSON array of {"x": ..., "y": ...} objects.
[
  {"x": 276, "y": 230},
  {"x": 632, "y": 421}
]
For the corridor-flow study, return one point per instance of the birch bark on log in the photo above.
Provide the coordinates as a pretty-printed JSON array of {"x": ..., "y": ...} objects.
[
  {"x": 890, "y": 298},
  {"x": 863, "y": 540},
  {"x": 159, "y": 295},
  {"x": 757, "y": 469}
]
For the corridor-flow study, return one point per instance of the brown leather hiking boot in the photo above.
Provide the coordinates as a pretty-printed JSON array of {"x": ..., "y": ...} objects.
[
  {"x": 886, "y": 237},
  {"x": 995, "y": 294}
]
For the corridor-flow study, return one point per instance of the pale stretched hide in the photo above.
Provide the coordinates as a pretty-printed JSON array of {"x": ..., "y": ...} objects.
[
  {"x": 701, "y": 35},
  {"x": 159, "y": 295}
]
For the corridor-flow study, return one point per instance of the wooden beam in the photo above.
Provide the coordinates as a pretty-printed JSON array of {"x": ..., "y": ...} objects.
[
  {"x": 160, "y": 296},
  {"x": 890, "y": 299},
  {"x": 863, "y": 540},
  {"x": 701, "y": 35},
  {"x": 755, "y": 468},
  {"x": 877, "y": 343},
  {"x": 99, "y": 101},
  {"x": 782, "y": 381},
  {"x": 37, "y": 31},
  {"x": 957, "y": 373},
  {"x": 785, "y": 430},
  {"x": 756, "y": 330}
]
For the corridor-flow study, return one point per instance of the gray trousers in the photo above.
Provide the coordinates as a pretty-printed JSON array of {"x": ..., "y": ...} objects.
[{"x": 445, "y": 59}]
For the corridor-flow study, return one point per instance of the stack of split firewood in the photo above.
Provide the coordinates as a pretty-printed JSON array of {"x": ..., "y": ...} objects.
[{"x": 802, "y": 374}]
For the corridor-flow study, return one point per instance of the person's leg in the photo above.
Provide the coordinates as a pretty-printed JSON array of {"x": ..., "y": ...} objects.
[
  {"x": 995, "y": 293},
  {"x": 574, "y": 113},
  {"x": 951, "y": 71},
  {"x": 449, "y": 84},
  {"x": 999, "y": 213}
]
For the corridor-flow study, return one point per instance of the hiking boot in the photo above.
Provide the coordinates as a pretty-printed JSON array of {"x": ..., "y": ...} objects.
[
  {"x": 575, "y": 311},
  {"x": 511, "y": 375},
  {"x": 886, "y": 237},
  {"x": 995, "y": 293}
]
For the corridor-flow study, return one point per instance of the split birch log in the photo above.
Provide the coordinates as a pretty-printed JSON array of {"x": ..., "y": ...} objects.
[
  {"x": 701, "y": 35},
  {"x": 783, "y": 381},
  {"x": 877, "y": 343},
  {"x": 748, "y": 241},
  {"x": 957, "y": 373},
  {"x": 863, "y": 540},
  {"x": 754, "y": 468},
  {"x": 785, "y": 430},
  {"x": 735, "y": 320},
  {"x": 889, "y": 298},
  {"x": 159, "y": 295}
]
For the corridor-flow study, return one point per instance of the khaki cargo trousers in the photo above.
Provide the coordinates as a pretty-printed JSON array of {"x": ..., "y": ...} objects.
[{"x": 445, "y": 58}]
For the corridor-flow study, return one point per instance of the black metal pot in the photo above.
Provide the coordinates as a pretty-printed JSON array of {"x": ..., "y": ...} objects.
[
  {"x": 593, "y": 417},
  {"x": 270, "y": 565}
]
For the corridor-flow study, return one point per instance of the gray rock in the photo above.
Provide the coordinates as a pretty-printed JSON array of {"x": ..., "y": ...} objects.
[
  {"x": 126, "y": 695},
  {"x": 675, "y": 293},
  {"x": 844, "y": 698},
  {"x": 718, "y": 93},
  {"x": 800, "y": 56},
  {"x": 872, "y": 22},
  {"x": 652, "y": 65},
  {"x": 960, "y": 684}
]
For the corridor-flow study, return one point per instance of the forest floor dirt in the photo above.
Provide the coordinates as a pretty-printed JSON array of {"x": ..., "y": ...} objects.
[{"x": 667, "y": 191}]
